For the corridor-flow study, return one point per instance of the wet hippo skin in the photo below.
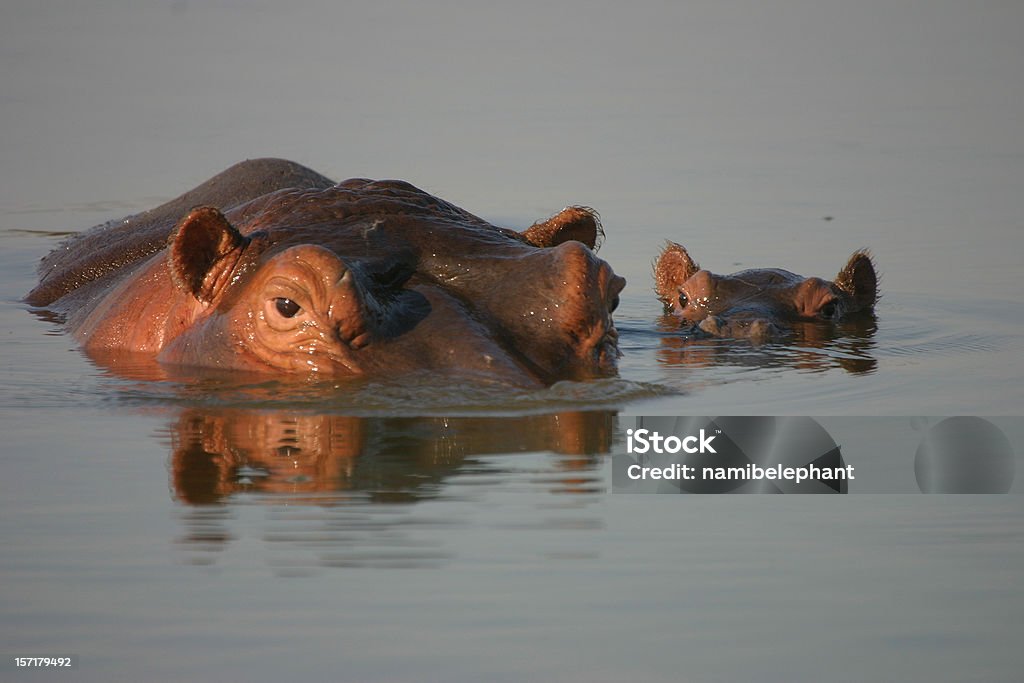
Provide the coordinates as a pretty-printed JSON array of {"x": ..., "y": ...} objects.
[
  {"x": 761, "y": 303},
  {"x": 271, "y": 267}
]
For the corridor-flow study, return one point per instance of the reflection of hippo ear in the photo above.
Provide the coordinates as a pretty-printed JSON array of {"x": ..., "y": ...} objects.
[
  {"x": 858, "y": 278},
  {"x": 578, "y": 223},
  {"x": 673, "y": 267},
  {"x": 198, "y": 251}
]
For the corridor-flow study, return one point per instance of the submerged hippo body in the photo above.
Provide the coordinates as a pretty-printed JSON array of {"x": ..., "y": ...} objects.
[
  {"x": 281, "y": 270},
  {"x": 761, "y": 303}
]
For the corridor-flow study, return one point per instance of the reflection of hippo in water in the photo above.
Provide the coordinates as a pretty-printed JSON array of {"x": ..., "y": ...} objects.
[
  {"x": 220, "y": 452},
  {"x": 763, "y": 302},
  {"x": 337, "y": 484},
  {"x": 281, "y": 270}
]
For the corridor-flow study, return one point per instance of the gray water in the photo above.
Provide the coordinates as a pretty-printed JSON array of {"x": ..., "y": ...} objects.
[{"x": 206, "y": 529}]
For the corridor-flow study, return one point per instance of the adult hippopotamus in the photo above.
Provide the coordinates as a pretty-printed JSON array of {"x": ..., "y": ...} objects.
[
  {"x": 760, "y": 303},
  {"x": 272, "y": 267}
]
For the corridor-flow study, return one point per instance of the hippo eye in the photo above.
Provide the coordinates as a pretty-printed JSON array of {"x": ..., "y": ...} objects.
[
  {"x": 828, "y": 310},
  {"x": 683, "y": 300},
  {"x": 287, "y": 307}
]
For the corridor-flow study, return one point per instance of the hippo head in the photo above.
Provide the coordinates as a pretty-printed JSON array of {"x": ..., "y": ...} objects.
[
  {"x": 379, "y": 278},
  {"x": 271, "y": 267},
  {"x": 760, "y": 303}
]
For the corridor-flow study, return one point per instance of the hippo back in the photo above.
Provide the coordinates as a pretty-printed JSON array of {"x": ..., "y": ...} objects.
[{"x": 115, "y": 246}]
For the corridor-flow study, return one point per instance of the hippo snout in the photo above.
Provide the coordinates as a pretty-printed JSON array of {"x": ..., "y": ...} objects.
[
  {"x": 589, "y": 293},
  {"x": 756, "y": 329}
]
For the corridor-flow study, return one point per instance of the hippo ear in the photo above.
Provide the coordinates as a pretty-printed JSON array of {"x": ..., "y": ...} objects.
[
  {"x": 673, "y": 267},
  {"x": 199, "y": 251},
  {"x": 859, "y": 280},
  {"x": 578, "y": 223}
]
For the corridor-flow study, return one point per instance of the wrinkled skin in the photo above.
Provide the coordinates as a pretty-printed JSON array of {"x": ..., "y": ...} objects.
[
  {"x": 762, "y": 303},
  {"x": 279, "y": 270}
]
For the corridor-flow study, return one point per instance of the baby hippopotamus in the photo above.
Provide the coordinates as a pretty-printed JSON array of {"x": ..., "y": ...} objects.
[
  {"x": 758, "y": 304},
  {"x": 271, "y": 267}
]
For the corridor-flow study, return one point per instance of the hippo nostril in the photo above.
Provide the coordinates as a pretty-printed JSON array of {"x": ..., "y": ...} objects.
[
  {"x": 393, "y": 277},
  {"x": 712, "y": 325}
]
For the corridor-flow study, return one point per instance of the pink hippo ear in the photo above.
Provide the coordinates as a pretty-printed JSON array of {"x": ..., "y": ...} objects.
[
  {"x": 203, "y": 249},
  {"x": 578, "y": 223},
  {"x": 858, "y": 279},
  {"x": 673, "y": 267}
]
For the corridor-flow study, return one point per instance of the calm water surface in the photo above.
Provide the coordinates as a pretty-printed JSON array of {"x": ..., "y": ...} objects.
[{"x": 219, "y": 529}]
